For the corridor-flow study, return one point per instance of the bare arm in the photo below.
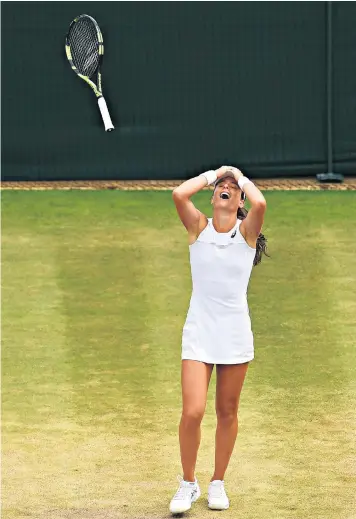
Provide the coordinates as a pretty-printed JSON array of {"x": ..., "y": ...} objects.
[
  {"x": 188, "y": 213},
  {"x": 251, "y": 226},
  {"x": 192, "y": 219}
]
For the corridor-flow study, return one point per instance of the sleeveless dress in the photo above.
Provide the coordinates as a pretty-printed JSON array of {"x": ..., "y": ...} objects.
[{"x": 218, "y": 326}]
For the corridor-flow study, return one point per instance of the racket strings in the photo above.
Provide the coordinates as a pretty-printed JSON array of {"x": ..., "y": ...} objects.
[{"x": 84, "y": 44}]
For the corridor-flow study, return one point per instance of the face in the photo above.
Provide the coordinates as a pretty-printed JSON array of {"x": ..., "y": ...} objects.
[{"x": 227, "y": 195}]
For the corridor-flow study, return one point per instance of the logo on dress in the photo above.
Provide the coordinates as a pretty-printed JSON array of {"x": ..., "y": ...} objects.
[{"x": 233, "y": 234}]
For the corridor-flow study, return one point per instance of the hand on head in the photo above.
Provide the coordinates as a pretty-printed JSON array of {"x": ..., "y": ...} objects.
[{"x": 225, "y": 171}]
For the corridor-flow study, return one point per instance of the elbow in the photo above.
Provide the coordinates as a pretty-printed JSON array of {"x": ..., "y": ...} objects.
[
  {"x": 261, "y": 203},
  {"x": 177, "y": 193}
]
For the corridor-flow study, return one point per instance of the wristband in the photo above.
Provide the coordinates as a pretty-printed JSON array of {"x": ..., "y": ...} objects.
[
  {"x": 242, "y": 181},
  {"x": 210, "y": 176}
]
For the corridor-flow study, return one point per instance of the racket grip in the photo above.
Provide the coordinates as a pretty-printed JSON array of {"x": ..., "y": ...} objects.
[{"x": 105, "y": 114}]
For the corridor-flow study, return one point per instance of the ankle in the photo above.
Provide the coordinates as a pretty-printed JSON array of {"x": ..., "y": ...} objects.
[
  {"x": 189, "y": 478},
  {"x": 217, "y": 478}
]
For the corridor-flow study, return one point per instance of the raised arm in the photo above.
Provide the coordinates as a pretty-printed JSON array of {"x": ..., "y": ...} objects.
[
  {"x": 251, "y": 226},
  {"x": 193, "y": 220},
  {"x": 190, "y": 216}
]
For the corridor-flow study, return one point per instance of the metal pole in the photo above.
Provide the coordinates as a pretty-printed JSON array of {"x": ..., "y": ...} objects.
[
  {"x": 329, "y": 176},
  {"x": 329, "y": 84}
]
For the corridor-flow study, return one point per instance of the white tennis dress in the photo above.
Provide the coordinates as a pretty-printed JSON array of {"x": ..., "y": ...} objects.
[{"x": 218, "y": 326}]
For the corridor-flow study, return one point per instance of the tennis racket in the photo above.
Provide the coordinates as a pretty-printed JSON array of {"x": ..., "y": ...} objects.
[{"x": 84, "y": 50}]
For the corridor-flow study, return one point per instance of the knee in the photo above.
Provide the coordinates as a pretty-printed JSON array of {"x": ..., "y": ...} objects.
[
  {"x": 192, "y": 416},
  {"x": 226, "y": 415}
]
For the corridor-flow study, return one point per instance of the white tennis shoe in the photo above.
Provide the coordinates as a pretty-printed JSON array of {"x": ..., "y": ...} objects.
[
  {"x": 187, "y": 493},
  {"x": 217, "y": 498}
]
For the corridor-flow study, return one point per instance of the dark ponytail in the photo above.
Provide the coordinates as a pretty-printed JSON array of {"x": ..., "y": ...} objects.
[{"x": 261, "y": 245}]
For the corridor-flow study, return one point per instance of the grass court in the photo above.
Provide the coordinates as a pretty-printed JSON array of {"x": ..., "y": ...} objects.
[{"x": 96, "y": 287}]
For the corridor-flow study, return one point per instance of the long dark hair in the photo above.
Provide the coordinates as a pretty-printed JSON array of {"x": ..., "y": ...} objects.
[{"x": 261, "y": 245}]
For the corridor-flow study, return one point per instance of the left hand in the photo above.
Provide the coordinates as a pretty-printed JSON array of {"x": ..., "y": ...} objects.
[{"x": 236, "y": 172}]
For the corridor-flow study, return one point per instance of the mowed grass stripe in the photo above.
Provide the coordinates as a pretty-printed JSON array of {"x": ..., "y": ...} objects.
[{"x": 36, "y": 400}]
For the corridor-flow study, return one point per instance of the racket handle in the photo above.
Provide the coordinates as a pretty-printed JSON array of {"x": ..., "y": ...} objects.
[{"x": 105, "y": 114}]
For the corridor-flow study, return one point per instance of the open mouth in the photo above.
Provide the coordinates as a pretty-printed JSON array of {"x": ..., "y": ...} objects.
[{"x": 225, "y": 196}]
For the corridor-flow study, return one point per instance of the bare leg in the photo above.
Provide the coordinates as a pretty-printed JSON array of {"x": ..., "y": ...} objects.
[
  {"x": 230, "y": 379},
  {"x": 195, "y": 382}
]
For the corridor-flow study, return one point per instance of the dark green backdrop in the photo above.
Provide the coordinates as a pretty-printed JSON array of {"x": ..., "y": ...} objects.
[{"x": 190, "y": 86}]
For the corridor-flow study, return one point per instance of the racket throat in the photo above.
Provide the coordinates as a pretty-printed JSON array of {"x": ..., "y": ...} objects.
[{"x": 99, "y": 83}]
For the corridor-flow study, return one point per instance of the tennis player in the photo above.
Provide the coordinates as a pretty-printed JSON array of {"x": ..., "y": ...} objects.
[{"x": 217, "y": 331}]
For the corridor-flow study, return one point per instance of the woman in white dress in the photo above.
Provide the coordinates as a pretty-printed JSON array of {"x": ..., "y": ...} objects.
[{"x": 217, "y": 331}]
